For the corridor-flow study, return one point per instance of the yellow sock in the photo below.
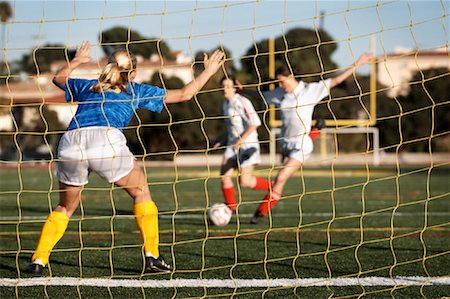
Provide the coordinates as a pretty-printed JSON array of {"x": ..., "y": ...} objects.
[
  {"x": 52, "y": 232},
  {"x": 146, "y": 215}
]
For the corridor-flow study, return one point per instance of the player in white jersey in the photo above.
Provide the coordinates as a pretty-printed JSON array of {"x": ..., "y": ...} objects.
[
  {"x": 297, "y": 107},
  {"x": 242, "y": 145}
]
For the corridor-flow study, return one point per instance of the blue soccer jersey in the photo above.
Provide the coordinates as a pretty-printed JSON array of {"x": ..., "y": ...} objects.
[{"x": 110, "y": 108}]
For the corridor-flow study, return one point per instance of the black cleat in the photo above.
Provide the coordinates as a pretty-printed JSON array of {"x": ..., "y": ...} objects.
[
  {"x": 257, "y": 217},
  {"x": 35, "y": 269},
  {"x": 158, "y": 265}
]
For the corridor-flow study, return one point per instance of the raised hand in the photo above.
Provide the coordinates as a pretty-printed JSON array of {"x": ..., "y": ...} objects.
[
  {"x": 82, "y": 54},
  {"x": 365, "y": 59},
  {"x": 213, "y": 63}
]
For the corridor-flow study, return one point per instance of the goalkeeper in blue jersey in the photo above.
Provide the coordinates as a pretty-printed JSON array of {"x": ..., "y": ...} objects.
[
  {"x": 296, "y": 104},
  {"x": 242, "y": 151},
  {"x": 94, "y": 142}
]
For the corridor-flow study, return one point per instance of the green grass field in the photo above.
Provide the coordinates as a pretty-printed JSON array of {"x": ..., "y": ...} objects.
[{"x": 347, "y": 223}]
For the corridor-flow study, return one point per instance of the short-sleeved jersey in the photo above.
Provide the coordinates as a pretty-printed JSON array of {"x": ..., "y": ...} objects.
[
  {"x": 297, "y": 109},
  {"x": 110, "y": 108},
  {"x": 240, "y": 116}
]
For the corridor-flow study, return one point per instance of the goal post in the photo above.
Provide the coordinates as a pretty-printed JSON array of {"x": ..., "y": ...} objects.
[{"x": 326, "y": 139}]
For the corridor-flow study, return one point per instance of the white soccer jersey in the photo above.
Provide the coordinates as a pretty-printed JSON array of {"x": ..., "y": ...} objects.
[
  {"x": 297, "y": 108},
  {"x": 240, "y": 116}
]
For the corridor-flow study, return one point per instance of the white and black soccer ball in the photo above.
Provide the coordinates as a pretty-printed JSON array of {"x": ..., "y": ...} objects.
[{"x": 219, "y": 214}]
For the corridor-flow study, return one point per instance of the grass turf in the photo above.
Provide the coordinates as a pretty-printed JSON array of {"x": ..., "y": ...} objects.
[{"x": 315, "y": 231}]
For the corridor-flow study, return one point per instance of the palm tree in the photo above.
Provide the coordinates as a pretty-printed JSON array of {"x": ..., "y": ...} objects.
[{"x": 5, "y": 14}]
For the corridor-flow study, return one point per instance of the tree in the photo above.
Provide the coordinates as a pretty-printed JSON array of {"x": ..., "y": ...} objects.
[
  {"x": 118, "y": 37},
  {"x": 40, "y": 59},
  {"x": 5, "y": 14},
  {"x": 423, "y": 113},
  {"x": 304, "y": 51}
]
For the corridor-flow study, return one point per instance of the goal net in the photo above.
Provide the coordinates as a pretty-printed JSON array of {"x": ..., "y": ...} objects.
[{"x": 366, "y": 215}]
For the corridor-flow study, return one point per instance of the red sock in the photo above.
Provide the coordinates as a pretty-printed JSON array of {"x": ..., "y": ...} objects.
[
  {"x": 314, "y": 133},
  {"x": 269, "y": 202},
  {"x": 262, "y": 184},
  {"x": 228, "y": 194}
]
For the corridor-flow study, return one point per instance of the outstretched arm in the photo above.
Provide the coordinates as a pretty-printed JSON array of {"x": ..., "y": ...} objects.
[
  {"x": 81, "y": 57},
  {"x": 364, "y": 59},
  {"x": 269, "y": 96},
  {"x": 212, "y": 65}
]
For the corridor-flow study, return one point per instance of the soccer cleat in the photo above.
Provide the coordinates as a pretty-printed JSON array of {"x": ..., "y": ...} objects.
[
  {"x": 35, "y": 269},
  {"x": 257, "y": 217},
  {"x": 159, "y": 265}
]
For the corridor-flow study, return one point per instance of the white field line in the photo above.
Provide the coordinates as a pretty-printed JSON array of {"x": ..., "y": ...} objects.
[
  {"x": 224, "y": 283},
  {"x": 183, "y": 215}
]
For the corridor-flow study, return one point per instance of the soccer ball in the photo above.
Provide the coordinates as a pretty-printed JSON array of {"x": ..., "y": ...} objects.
[{"x": 219, "y": 214}]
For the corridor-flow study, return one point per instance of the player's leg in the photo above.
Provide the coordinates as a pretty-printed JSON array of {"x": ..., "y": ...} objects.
[
  {"x": 69, "y": 199},
  {"x": 248, "y": 158},
  {"x": 146, "y": 215},
  {"x": 55, "y": 226},
  {"x": 226, "y": 176},
  {"x": 248, "y": 180},
  {"x": 73, "y": 175},
  {"x": 271, "y": 199}
]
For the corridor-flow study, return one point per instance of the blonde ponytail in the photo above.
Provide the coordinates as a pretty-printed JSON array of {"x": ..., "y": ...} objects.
[{"x": 116, "y": 73}]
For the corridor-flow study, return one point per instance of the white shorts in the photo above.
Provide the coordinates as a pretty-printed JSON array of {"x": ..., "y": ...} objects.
[
  {"x": 300, "y": 150},
  {"x": 100, "y": 149},
  {"x": 247, "y": 155}
]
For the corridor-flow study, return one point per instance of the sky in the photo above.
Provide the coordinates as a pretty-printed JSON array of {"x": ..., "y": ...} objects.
[{"x": 193, "y": 26}]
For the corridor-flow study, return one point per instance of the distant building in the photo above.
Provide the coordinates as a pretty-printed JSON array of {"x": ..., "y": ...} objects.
[
  {"x": 395, "y": 70},
  {"x": 180, "y": 67}
]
